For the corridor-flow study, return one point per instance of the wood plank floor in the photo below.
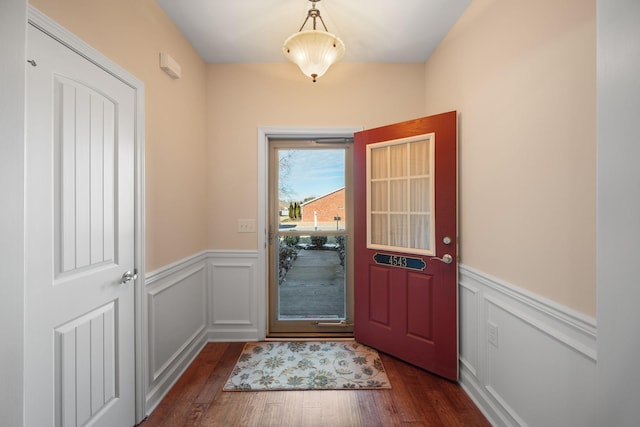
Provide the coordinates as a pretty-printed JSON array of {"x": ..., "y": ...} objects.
[{"x": 416, "y": 399}]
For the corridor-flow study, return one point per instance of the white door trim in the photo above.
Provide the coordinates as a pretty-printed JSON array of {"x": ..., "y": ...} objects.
[
  {"x": 50, "y": 27},
  {"x": 264, "y": 134}
]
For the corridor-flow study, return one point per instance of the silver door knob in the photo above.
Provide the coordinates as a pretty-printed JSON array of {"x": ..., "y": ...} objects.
[
  {"x": 127, "y": 276},
  {"x": 446, "y": 258}
]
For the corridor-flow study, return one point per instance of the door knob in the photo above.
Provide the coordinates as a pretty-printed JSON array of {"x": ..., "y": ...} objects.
[
  {"x": 446, "y": 258},
  {"x": 127, "y": 276}
]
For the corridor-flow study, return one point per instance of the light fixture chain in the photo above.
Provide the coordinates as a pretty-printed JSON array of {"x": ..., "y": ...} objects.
[
  {"x": 313, "y": 13},
  {"x": 321, "y": 20},
  {"x": 305, "y": 23}
]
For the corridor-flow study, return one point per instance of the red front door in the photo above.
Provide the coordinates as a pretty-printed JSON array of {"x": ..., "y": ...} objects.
[{"x": 406, "y": 242}]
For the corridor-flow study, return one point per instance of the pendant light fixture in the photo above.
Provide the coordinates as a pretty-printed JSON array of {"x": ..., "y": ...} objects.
[{"x": 314, "y": 51}]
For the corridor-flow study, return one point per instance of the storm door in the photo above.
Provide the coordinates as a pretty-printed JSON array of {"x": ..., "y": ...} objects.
[{"x": 309, "y": 256}]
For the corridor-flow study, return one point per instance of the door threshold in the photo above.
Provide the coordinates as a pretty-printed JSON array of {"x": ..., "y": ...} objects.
[{"x": 309, "y": 336}]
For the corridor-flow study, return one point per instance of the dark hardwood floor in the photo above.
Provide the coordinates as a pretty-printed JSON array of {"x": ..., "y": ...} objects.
[{"x": 417, "y": 399}]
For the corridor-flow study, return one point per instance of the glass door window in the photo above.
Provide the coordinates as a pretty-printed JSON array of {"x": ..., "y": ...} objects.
[
  {"x": 310, "y": 286},
  {"x": 400, "y": 195}
]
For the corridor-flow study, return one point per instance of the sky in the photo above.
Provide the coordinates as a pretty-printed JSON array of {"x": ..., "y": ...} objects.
[{"x": 311, "y": 172}]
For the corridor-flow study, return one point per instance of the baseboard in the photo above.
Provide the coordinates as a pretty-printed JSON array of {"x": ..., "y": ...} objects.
[
  {"x": 525, "y": 360},
  {"x": 172, "y": 374},
  {"x": 233, "y": 335}
]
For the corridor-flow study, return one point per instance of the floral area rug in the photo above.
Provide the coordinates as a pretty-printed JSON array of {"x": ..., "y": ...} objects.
[{"x": 307, "y": 365}]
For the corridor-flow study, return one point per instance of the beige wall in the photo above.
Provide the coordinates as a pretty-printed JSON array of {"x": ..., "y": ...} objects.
[
  {"x": 243, "y": 97},
  {"x": 132, "y": 33},
  {"x": 522, "y": 75}
]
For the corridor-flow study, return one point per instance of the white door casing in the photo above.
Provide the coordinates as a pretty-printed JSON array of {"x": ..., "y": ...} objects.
[{"x": 82, "y": 190}]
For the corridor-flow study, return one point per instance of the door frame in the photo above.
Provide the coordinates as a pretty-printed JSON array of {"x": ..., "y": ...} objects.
[
  {"x": 264, "y": 134},
  {"x": 64, "y": 36}
]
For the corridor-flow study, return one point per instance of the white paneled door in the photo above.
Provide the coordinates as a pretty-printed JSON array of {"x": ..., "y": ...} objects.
[{"x": 80, "y": 176}]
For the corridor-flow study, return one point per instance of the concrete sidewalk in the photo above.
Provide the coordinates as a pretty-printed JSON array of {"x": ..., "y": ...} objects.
[{"x": 314, "y": 286}]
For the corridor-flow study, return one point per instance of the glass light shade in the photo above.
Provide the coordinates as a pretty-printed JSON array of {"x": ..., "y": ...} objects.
[{"x": 313, "y": 51}]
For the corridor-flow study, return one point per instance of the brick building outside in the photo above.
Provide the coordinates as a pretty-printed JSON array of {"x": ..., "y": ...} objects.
[{"x": 327, "y": 207}]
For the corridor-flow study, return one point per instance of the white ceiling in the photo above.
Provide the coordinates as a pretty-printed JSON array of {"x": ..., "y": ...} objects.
[{"x": 373, "y": 31}]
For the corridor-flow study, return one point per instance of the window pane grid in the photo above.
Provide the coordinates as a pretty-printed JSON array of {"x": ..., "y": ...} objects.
[{"x": 400, "y": 195}]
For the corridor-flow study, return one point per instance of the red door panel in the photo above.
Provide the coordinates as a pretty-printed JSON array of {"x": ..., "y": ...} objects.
[
  {"x": 420, "y": 306},
  {"x": 403, "y": 310},
  {"x": 379, "y": 292}
]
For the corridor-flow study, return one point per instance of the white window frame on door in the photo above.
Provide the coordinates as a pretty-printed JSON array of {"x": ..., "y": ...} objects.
[
  {"x": 431, "y": 138},
  {"x": 264, "y": 134}
]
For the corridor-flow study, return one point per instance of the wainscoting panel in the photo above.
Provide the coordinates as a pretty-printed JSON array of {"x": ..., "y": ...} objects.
[
  {"x": 469, "y": 320},
  {"x": 210, "y": 296},
  {"x": 523, "y": 359},
  {"x": 177, "y": 320},
  {"x": 233, "y": 297}
]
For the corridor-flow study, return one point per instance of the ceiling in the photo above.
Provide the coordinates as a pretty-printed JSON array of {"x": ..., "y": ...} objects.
[{"x": 373, "y": 31}]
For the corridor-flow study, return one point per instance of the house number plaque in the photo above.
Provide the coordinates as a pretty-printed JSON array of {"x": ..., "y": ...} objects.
[{"x": 400, "y": 261}]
